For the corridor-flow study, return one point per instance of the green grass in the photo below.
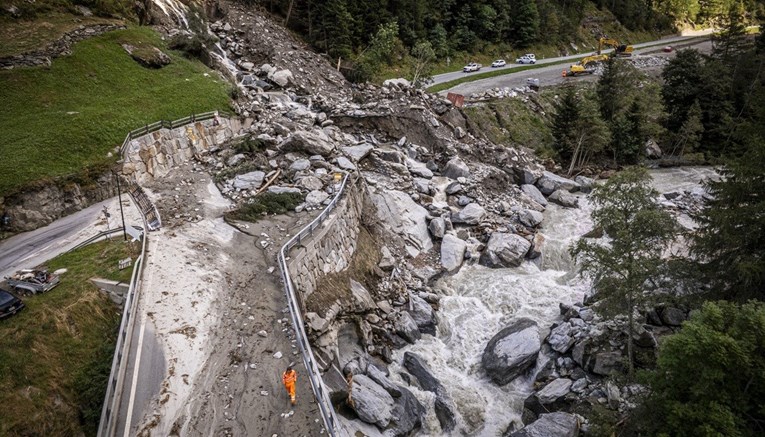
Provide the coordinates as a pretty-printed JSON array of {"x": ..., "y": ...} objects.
[
  {"x": 59, "y": 120},
  {"x": 55, "y": 355}
]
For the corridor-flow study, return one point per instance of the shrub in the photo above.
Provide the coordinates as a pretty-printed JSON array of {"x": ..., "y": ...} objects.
[{"x": 266, "y": 203}]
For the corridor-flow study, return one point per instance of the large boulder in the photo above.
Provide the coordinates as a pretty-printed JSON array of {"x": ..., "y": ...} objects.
[
  {"x": 249, "y": 181},
  {"x": 534, "y": 193},
  {"x": 437, "y": 227},
  {"x": 606, "y": 363},
  {"x": 504, "y": 250},
  {"x": 370, "y": 401},
  {"x": 407, "y": 415},
  {"x": 561, "y": 338},
  {"x": 405, "y": 326},
  {"x": 472, "y": 214},
  {"x": 362, "y": 300},
  {"x": 456, "y": 168},
  {"x": 314, "y": 142},
  {"x": 556, "y": 424},
  {"x": 564, "y": 198},
  {"x": 530, "y": 218},
  {"x": 512, "y": 351},
  {"x": 423, "y": 314},
  {"x": 586, "y": 184},
  {"x": 282, "y": 78},
  {"x": 672, "y": 316},
  {"x": 357, "y": 153},
  {"x": 551, "y": 398},
  {"x": 400, "y": 215},
  {"x": 444, "y": 407},
  {"x": 452, "y": 252},
  {"x": 550, "y": 182}
]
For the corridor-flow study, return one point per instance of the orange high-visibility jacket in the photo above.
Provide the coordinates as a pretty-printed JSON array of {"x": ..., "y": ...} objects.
[{"x": 289, "y": 378}]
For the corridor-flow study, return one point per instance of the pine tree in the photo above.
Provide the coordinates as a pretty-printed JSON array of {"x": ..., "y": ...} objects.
[{"x": 525, "y": 25}]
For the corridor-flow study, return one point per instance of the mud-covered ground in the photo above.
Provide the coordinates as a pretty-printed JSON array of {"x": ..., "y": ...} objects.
[{"x": 220, "y": 313}]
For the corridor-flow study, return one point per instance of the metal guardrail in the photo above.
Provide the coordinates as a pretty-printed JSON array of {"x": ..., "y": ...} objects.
[
  {"x": 164, "y": 124},
  {"x": 95, "y": 238},
  {"x": 331, "y": 423}
]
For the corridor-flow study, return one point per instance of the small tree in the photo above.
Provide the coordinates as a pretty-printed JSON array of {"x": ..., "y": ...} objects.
[
  {"x": 577, "y": 129},
  {"x": 422, "y": 54},
  {"x": 710, "y": 378},
  {"x": 639, "y": 231}
]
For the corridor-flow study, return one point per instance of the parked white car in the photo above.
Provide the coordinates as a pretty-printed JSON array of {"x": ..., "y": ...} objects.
[
  {"x": 525, "y": 60},
  {"x": 471, "y": 67},
  {"x": 498, "y": 63}
]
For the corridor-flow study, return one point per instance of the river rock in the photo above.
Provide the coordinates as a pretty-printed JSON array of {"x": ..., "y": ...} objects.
[
  {"x": 314, "y": 142},
  {"x": 400, "y": 215},
  {"x": 444, "y": 407},
  {"x": 453, "y": 188},
  {"x": 357, "y": 153},
  {"x": 586, "y": 184},
  {"x": 407, "y": 414},
  {"x": 423, "y": 314},
  {"x": 249, "y": 181},
  {"x": 406, "y": 327},
  {"x": 370, "y": 401},
  {"x": 534, "y": 193},
  {"x": 452, "y": 252},
  {"x": 556, "y": 424},
  {"x": 362, "y": 300},
  {"x": 564, "y": 198},
  {"x": 282, "y": 78},
  {"x": 472, "y": 214},
  {"x": 504, "y": 250},
  {"x": 550, "y": 182},
  {"x": 527, "y": 176},
  {"x": 421, "y": 185},
  {"x": 437, "y": 227},
  {"x": 530, "y": 218},
  {"x": 379, "y": 377},
  {"x": 512, "y": 351},
  {"x": 418, "y": 168},
  {"x": 456, "y": 168},
  {"x": 561, "y": 338},
  {"x": 605, "y": 363}
]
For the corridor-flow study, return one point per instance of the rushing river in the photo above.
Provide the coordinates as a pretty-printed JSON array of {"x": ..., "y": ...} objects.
[{"x": 478, "y": 302}]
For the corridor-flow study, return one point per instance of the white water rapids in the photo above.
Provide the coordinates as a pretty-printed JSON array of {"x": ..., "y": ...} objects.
[{"x": 478, "y": 302}]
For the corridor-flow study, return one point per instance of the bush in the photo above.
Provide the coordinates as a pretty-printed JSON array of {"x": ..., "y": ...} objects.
[
  {"x": 266, "y": 203},
  {"x": 192, "y": 47}
]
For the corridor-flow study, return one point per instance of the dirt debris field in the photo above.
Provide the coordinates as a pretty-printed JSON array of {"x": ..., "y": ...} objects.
[{"x": 218, "y": 306}]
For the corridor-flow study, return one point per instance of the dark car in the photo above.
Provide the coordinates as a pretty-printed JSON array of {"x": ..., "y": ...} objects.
[{"x": 9, "y": 304}]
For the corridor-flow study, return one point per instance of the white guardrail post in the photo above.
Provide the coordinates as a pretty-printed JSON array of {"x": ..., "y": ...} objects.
[{"x": 331, "y": 423}]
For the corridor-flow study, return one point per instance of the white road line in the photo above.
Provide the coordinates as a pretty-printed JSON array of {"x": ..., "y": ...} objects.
[{"x": 135, "y": 378}]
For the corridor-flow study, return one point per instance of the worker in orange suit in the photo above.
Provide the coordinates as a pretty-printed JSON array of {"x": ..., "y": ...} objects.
[{"x": 290, "y": 378}]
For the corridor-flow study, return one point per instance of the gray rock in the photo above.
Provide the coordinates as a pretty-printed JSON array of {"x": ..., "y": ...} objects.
[
  {"x": 387, "y": 261},
  {"x": 314, "y": 142},
  {"x": 504, "y": 250},
  {"x": 357, "y": 153},
  {"x": 249, "y": 181},
  {"x": 530, "y": 218},
  {"x": 652, "y": 150},
  {"x": 421, "y": 185},
  {"x": 316, "y": 322},
  {"x": 613, "y": 395},
  {"x": 393, "y": 156},
  {"x": 456, "y": 168},
  {"x": 400, "y": 82},
  {"x": 400, "y": 215},
  {"x": 452, "y": 252},
  {"x": 316, "y": 198},
  {"x": 453, "y": 188},
  {"x": 578, "y": 353},
  {"x": 459, "y": 132},
  {"x": 407, "y": 415},
  {"x": 579, "y": 386},
  {"x": 362, "y": 300},
  {"x": 437, "y": 227},
  {"x": 550, "y": 182},
  {"x": 236, "y": 159},
  {"x": 282, "y": 78},
  {"x": 300, "y": 165},
  {"x": 405, "y": 326},
  {"x": 423, "y": 314},
  {"x": 345, "y": 163},
  {"x": 672, "y": 316},
  {"x": 564, "y": 198},
  {"x": 586, "y": 184},
  {"x": 606, "y": 363},
  {"x": 444, "y": 407},
  {"x": 247, "y": 66},
  {"x": 275, "y": 189},
  {"x": 512, "y": 351},
  {"x": 561, "y": 338},
  {"x": 464, "y": 201},
  {"x": 472, "y": 214},
  {"x": 527, "y": 177},
  {"x": 554, "y": 391},
  {"x": 556, "y": 424},
  {"x": 370, "y": 401},
  {"x": 310, "y": 183},
  {"x": 418, "y": 168},
  {"x": 534, "y": 193}
]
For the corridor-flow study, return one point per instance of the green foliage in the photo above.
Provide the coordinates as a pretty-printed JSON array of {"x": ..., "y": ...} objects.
[
  {"x": 422, "y": 56},
  {"x": 638, "y": 230},
  {"x": 578, "y": 130},
  {"x": 710, "y": 378},
  {"x": 525, "y": 22},
  {"x": 379, "y": 52},
  {"x": 91, "y": 382},
  {"x": 266, "y": 203},
  {"x": 60, "y": 120},
  {"x": 250, "y": 145}
]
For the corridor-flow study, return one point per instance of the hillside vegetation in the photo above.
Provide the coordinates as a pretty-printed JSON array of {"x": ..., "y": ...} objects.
[{"x": 58, "y": 120}]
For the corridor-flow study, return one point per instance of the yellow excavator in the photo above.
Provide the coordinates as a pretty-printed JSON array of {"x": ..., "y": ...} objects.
[
  {"x": 620, "y": 50},
  {"x": 587, "y": 65}
]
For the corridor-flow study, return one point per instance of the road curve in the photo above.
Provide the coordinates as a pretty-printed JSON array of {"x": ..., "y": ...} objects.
[{"x": 446, "y": 77}]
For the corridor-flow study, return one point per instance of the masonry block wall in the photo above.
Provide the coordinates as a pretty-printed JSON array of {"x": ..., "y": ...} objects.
[
  {"x": 154, "y": 154},
  {"x": 332, "y": 245}
]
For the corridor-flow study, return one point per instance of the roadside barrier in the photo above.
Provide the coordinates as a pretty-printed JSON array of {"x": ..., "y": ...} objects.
[{"x": 328, "y": 414}]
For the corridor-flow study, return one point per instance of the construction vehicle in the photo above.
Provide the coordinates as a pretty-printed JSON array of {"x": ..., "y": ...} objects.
[
  {"x": 620, "y": 50},
  {"x": 33, "y": 281},
  {"x": 585, "y": 66}
]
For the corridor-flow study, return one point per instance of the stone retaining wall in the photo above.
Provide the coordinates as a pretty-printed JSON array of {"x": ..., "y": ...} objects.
[
  {"x": 332, "y": 245},
  {"x": 153, "y": 155}
]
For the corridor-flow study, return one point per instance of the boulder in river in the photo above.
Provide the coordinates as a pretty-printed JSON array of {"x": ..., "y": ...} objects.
[
  {"x": 550, "y": 182},
  {"x": 445, "y": 409},
  {"x": 556, "y": 424},
  {"x": 423, "y": 314},
  {"x": 512, "y": 351},
  {"x": 370, "y": 401},
  {"x": 534, "y": 193},
  {"x": 564, "y": 198},
  {"x": 452, "y": 252},
  {"x": 505, "y": 250},
  {"x": 456, "y": 168},
  {"x": 472, "y": 214}
]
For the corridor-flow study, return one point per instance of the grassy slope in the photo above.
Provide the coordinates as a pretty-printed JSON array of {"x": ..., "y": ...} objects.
[
  {"x": 56, "y": 121},
  {"x": 56, "y": 353}
]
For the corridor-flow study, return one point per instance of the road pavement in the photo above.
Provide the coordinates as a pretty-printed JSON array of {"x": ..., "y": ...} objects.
[{"x": 446, "y": 77}]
